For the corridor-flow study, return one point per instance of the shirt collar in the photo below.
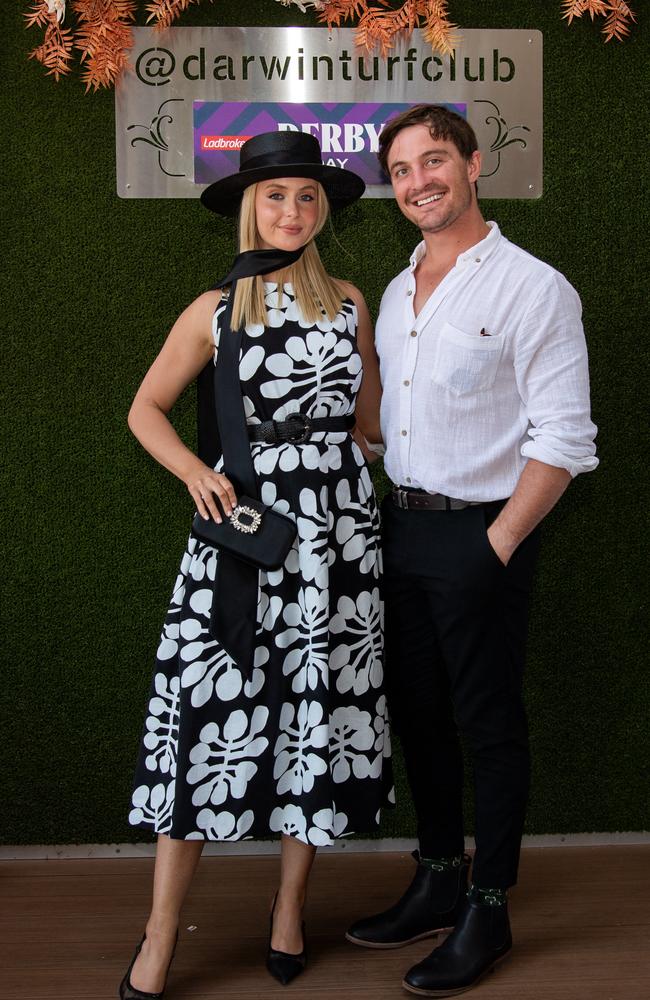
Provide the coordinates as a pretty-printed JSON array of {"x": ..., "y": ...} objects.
[{"x": 478, "y": 253}]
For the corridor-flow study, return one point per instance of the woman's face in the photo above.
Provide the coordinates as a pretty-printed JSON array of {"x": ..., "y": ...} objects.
[{"x": 286, "y": 211}]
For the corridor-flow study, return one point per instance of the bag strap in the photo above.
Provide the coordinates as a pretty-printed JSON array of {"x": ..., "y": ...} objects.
[{"x": 229, "y": 405}]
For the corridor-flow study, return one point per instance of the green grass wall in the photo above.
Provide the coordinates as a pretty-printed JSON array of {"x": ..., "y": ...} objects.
[{"x": 94, "y": 531}]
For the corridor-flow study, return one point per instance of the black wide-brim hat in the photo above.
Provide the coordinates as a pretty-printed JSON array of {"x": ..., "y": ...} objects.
[{"x": 282, "y": 154}]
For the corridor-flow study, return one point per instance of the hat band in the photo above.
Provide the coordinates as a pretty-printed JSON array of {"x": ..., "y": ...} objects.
[{"x": 278, "y": 159}]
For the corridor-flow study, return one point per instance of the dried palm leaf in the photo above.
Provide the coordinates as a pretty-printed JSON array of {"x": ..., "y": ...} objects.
[
  {"x": 55, "y": 52},
  {"x": 378, "y": 25},
  {"x": 104, "y": 38},
  {"x": 40, "y": 15},
  {"x": 165, "y": 12},
  {"x": 620, "y": 18}
]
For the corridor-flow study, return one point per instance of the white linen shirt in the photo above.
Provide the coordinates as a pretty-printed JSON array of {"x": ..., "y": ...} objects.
[{"x": 491, "y": 372}]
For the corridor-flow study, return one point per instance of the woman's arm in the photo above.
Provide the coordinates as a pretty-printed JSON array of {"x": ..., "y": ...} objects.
[
  {"x": 185, "y": 353},
  {"x": 369, "y": 395}
]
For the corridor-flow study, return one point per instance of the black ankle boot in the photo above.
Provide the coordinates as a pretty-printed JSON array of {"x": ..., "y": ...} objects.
[
  {"x": 429, "y": 905},
  {"x": 480, "y": 939}
]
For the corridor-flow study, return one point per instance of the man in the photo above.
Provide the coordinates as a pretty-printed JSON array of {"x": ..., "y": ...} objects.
[{"x": 485, "y": 416}]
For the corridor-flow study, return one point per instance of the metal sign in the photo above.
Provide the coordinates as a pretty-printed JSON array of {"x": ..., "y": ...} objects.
[{"x": 193, "y": 95}]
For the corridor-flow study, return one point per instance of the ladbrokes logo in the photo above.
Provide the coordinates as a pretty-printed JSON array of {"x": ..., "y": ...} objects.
[{"x": 223, "y": 143}]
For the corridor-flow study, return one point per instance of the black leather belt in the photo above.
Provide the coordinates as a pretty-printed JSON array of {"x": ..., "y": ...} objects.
[
  {"x": 407, "y": 498},
  {"x": 297, "y": 428}
]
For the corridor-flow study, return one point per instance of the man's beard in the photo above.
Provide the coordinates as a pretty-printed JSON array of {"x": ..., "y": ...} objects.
[{"x": 454, "y": 213}]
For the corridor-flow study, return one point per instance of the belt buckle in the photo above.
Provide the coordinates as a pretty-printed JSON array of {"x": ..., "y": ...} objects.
[
  {"x": 401, "y": 498},
  {"x": 303, "y": 428}
]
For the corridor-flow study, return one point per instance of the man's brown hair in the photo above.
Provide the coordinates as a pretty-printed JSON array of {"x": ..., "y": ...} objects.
[{"x": 442, "y": 124}]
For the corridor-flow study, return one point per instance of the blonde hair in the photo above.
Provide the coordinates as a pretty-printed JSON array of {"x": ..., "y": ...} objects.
[{"x": 315, "y": 291}]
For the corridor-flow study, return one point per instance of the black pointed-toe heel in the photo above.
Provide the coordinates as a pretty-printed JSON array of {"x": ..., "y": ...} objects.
[
  {"x": 128, "y": 992},
  {"x": 282, "y": 965}
]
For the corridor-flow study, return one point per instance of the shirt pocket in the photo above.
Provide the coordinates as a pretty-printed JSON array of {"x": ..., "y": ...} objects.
[{"x": 463, "y": 363}]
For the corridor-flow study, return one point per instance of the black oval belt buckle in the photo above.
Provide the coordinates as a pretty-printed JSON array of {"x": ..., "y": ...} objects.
[{"x": 302, "y": 431}]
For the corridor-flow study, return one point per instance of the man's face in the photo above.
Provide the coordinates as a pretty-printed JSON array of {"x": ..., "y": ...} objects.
[{"x": 433, "y": 183}]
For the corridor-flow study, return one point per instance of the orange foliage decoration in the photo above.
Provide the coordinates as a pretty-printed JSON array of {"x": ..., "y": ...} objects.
[
  {"x": 165, "y": 12},
  {"x": 104, "y": 38},
  {"x": 378, "y": 26},
  {"x": 55, "y": 51},
  {"x": 103, "y": 27},
  {"x": 618, "y": 15}
]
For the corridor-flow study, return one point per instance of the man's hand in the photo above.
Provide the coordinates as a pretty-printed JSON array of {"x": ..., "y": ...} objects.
[
  {"x": 502, "y": 543},
  {"x": 539, "y": 488}
]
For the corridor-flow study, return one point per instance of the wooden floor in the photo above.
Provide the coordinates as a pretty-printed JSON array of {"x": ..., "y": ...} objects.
[{"x": 581, "y": 922}]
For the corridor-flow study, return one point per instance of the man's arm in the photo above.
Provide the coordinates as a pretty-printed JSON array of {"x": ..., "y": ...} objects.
[
  {"x": 539, "y": 488},
  {"x": 553, "y": 382}
]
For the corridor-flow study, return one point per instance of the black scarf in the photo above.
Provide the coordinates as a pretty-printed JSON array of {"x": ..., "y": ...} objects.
[{"x": 234, "y": 607}]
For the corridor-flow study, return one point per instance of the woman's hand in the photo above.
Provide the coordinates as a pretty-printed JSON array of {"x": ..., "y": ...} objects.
[{"x": 204, "y": 485}]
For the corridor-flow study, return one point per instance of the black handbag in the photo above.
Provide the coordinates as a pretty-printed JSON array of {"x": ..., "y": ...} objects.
[{"x": 254, "y": 533}]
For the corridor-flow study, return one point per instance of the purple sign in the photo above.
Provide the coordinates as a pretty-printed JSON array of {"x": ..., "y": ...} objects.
[{"x": 348, "y": 133}]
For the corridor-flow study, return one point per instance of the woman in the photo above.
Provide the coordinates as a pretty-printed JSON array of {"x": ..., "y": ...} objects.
[{"x": 294, "y": 741}]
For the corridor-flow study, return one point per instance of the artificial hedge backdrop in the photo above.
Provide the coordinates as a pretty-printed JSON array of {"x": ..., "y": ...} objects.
[{"x": 94, "y": 530}]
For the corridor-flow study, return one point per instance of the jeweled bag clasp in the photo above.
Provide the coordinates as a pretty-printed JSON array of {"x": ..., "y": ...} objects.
[{"x": 249, "y": 527}]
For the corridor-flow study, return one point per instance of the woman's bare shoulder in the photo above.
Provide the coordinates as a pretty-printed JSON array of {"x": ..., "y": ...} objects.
[{"x": 208, "y": 301}]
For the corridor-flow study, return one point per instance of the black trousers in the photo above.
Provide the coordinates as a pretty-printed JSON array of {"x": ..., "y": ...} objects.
[{"x": 456, "y": 624}]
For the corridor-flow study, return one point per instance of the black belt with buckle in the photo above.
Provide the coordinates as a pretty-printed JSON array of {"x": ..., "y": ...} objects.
[
  {"x": 297, "y": 428},
  {"x": 408, "y": 498}
]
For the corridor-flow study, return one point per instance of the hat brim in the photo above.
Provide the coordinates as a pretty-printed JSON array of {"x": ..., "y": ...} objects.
[{"x": 342, "y": 186}]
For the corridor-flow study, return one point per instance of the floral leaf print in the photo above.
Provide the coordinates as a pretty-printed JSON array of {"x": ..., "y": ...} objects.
[
  {"x": 300, "y": 733},
  {"x": 311, "y": 369},
  {"x": 276, "y": 304},
  {"x": 222, "y": 825},
  {"x": 250, "y": 362},
  {"x": 355, "y": 527},
  {"x": 153, "y": 806},
  {"x": 168, "y": 646},
  {"x": 359, "y": 658},
  {"x": 268, "y": 612},
  {"x": 289, "y": 457},
  {"x": 269, "y": 496},
  {"x": 284, "y": 307},
  {"x": 350, "y": 735},
  {"x": 328, "y": 824},
  {"x": 221, "y": 761},
  {"x": 306, "y": 638},
  {"x": 202, "y": 562},
  {"x": 382, "y": 728},
  {"x": 209, "y": 669},
  {"x": 289, "y": 820},
  {"x": 314, "y": 526},
  {"x": 161, "y": 738}
]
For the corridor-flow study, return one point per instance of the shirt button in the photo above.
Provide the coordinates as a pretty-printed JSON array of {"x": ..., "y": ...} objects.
[
  {"x": 408, "y": 479},
  {"x": 414, "y": 333},
  {"x": 409, "y": 292},
  {"x": 404, "y": 433},
  {"x": 407, "y": 381},
  {"x": 478, "y": 260}
]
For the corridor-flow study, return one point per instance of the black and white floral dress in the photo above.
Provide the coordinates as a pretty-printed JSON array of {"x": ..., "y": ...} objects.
[{"x": 303, "y": 746}]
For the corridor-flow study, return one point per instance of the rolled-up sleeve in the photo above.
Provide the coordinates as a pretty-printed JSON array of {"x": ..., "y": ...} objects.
[{"x": 553, "y": 380}]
